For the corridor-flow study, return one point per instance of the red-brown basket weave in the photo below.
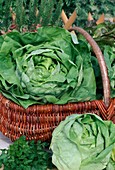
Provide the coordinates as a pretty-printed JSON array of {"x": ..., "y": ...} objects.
[{"x": 38, "y": 121}]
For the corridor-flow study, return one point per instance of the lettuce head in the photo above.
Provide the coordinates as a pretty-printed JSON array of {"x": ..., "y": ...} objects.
[
  {"x": 84, "y": 142},
  {"x": 46, "y": 66}
]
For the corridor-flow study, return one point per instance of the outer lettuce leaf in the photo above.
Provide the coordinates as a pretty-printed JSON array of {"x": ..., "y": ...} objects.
[
  {"x": 83, "y": 142},
  {"x": 109, "y": 56},
  {"x": 111, "y": 164},
  {"x": 45, "y": 67}
]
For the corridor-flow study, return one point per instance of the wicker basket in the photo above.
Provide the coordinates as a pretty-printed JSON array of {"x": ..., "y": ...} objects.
[{"x": 38, "y": 121}]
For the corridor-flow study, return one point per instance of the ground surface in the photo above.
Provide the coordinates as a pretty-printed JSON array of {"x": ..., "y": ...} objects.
[{"x": 4, "y": 141}]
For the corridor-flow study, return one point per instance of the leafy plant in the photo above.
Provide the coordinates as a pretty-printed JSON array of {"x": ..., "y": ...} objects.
[
  {"x": 26, "y": 155},
  {"x": 45, "y": 67},
  {"x": 104, "y": 34},
  {"x": 29, "y": 14},
  {"x": 47, "y": 12},
  {"x": 96, "y": 8},
  {"x": 83, "y": 142},
  {"x": 20, "y": 14}
]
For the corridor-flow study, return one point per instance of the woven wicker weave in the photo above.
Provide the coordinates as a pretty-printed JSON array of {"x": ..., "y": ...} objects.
[{"x": 38, "y": 121}]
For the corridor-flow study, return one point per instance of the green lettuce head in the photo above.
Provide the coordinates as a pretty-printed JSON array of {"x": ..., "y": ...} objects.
[
  {"x": 45, "y": 67},
  {"x": 83, "y": 142}
]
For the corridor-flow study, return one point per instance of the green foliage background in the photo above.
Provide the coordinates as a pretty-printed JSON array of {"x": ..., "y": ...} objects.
[
  {"x": 95, "y": 7},
  {"x": 50, "y": 10}
]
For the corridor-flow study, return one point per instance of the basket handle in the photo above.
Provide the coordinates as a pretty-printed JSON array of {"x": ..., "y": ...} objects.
[{"x": 101, "y": 61}]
